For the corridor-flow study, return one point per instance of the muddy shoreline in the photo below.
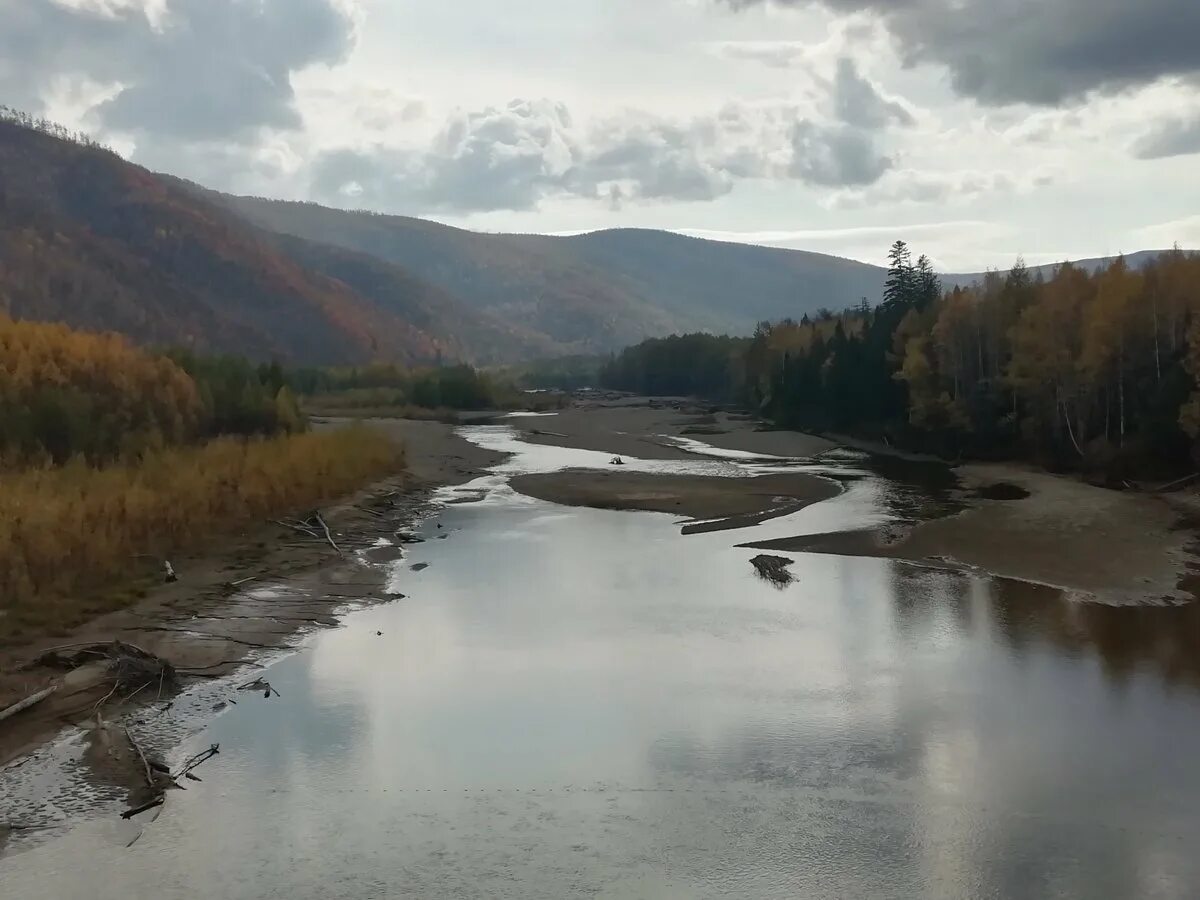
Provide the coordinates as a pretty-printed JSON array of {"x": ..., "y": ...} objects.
[
  {"x": 1093, "y": 543},
  {"x": 253, "y": 595},
  {"x": 248, "y": 593}
]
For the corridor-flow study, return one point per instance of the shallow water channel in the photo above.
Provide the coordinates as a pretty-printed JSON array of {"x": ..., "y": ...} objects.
[{"x": 574, "y": 702}]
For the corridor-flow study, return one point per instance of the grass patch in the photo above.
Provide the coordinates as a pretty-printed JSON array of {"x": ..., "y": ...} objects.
[{"x": 71, "y": 537}]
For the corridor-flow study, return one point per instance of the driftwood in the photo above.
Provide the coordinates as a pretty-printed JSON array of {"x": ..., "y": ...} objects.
[
  {"x": 124, "y": 668},
  {"x": 297, "y": 527},
  {"x": 328, "y": 536},
  {"x": 31, "y": 700},
  {"x": 130, "y": 813},
  {"x": 773, "y": 569},
  {"x": 142, "y": 757},
  {"x": 195, "y": 760},
  {"x": 259, "y": 685},
  {"x": 1179, "y": 482}
]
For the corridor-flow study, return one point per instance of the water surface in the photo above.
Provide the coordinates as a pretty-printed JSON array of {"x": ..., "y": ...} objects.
[{"x": 576, "y": 702}]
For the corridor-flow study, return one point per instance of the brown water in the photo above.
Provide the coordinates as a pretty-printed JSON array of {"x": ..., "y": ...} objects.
[{"x": 585, "y": 703}]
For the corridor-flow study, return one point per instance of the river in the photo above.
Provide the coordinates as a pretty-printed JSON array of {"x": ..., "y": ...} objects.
[{"x": 576, "y": 702}]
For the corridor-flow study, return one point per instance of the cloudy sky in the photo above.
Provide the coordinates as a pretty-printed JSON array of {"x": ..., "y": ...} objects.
[{"x": 975, "y": 129}]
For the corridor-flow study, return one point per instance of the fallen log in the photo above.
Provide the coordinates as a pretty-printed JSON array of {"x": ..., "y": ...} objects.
[{"x": 31, "y": 700}]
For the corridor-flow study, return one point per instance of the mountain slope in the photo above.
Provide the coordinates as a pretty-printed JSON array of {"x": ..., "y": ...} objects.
[
  {"x": 740, "y": 284},
  {"x": 467, "y": 334},
  {"x": 594, "y": 291},
  {"x": 572, "y": 302},
  {"x": 98, "y": 243}
]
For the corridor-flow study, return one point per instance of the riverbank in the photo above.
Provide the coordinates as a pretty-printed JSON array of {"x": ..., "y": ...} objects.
[
  {"x": 725, "y": 502},
  {"x": 643, "y": 428},
  {"x": 248, "y": 592},
  {"x": 1005, "y": 520},
  {"x": 1096, "y": 544}
]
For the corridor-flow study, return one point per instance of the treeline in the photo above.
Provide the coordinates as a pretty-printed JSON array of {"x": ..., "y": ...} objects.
[
  {"x": 447, "y": 387},
  {"x": 110, "y": 454},
  {"x": 562, "y": 373},
  {"x": 46, "y": 126},
  {"x": 681, "y": 365},
  {"x": 1081, "y": 370},
  {"x": 67, "y": 393}
]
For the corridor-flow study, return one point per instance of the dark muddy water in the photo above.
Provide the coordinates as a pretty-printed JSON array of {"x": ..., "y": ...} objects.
[{"x": 585, "y": 703}]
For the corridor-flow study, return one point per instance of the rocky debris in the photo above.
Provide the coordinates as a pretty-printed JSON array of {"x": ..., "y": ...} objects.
[
  {"x": 124, "y": 668},
  {"x": 420, "y": 567},
  {"x": 773, "y": 569}
]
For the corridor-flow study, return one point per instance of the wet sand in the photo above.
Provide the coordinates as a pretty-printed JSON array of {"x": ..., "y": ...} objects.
[
  {"x": 1097, "y": 544},
  {"x": 732, "y": 502},
  {"x": 1111, "y": 546},
  {"x": 248, "y": 592},
  {"x": 642, "y": 428}
]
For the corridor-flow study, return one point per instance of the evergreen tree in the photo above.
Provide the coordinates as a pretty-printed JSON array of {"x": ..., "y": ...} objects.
[{"x": 898, "y": 289}]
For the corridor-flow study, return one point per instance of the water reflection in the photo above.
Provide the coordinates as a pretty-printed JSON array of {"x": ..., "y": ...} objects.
[
  {"x": 583, "y": 702},
  {"x": 1125, "y": 641}
]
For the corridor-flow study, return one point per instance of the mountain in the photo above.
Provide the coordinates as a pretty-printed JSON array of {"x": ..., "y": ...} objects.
[
  {"x": 593, "y": 292},
  {"x": 605, "y": 289},
  {"x": 91, "y": 240},
  {"x": 98, "y": 243},
  {"x": 525, "y": 281},
  {"x": 1134, "y": 260}
]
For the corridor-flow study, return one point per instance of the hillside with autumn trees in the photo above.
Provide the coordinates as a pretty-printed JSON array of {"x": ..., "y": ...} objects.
[
  {"x": 95, "y": 242},
  {"x": 110, "y": 454},
  {"x": 1092, "y": 370}
]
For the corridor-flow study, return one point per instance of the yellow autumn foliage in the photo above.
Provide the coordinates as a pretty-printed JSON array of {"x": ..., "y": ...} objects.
[{"x": 69, "y": 533}]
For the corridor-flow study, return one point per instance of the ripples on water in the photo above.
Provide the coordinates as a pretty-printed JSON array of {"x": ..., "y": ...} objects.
[{"x": 577, "y": 702}]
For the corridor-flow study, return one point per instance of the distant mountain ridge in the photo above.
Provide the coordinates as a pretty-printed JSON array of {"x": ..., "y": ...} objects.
[
  {"x": 603, "y": 289},
  {"x": 91, "y": 240}
]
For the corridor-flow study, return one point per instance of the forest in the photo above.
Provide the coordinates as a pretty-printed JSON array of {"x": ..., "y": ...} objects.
[
  {"x": 1078, "y": 370},
  {"x": 110, "y": 454}
]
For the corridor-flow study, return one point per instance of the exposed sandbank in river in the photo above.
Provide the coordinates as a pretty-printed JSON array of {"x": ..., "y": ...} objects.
[
  {"x": 1116, "y": 547},
  {"x": 581, "y": 702},
  {"x": 732, "y": 502}
]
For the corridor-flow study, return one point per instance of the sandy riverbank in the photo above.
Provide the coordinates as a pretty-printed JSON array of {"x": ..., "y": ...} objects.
[
  {"x": 1098, "y": 544},
  {"x": 722, "y": 502},
  {"x": 1116, "y": 547},
  {"x": 641, "y": 428},
  {"x": 251, "y": 591}
]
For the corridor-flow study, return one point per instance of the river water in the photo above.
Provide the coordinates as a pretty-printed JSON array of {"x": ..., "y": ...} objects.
[{"x": 584, "y": 703}]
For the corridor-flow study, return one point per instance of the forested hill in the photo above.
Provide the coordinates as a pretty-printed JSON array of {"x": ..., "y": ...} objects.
[
  {"x": 1085, "y": 369},
  {"x": 600, "y": 290},
  {"x": 596, "y": 291},
  {"x": 95, "y": 242}
]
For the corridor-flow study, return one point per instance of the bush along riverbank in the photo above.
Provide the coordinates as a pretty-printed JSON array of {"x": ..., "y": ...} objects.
[{"x": 111, "y": 456}]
